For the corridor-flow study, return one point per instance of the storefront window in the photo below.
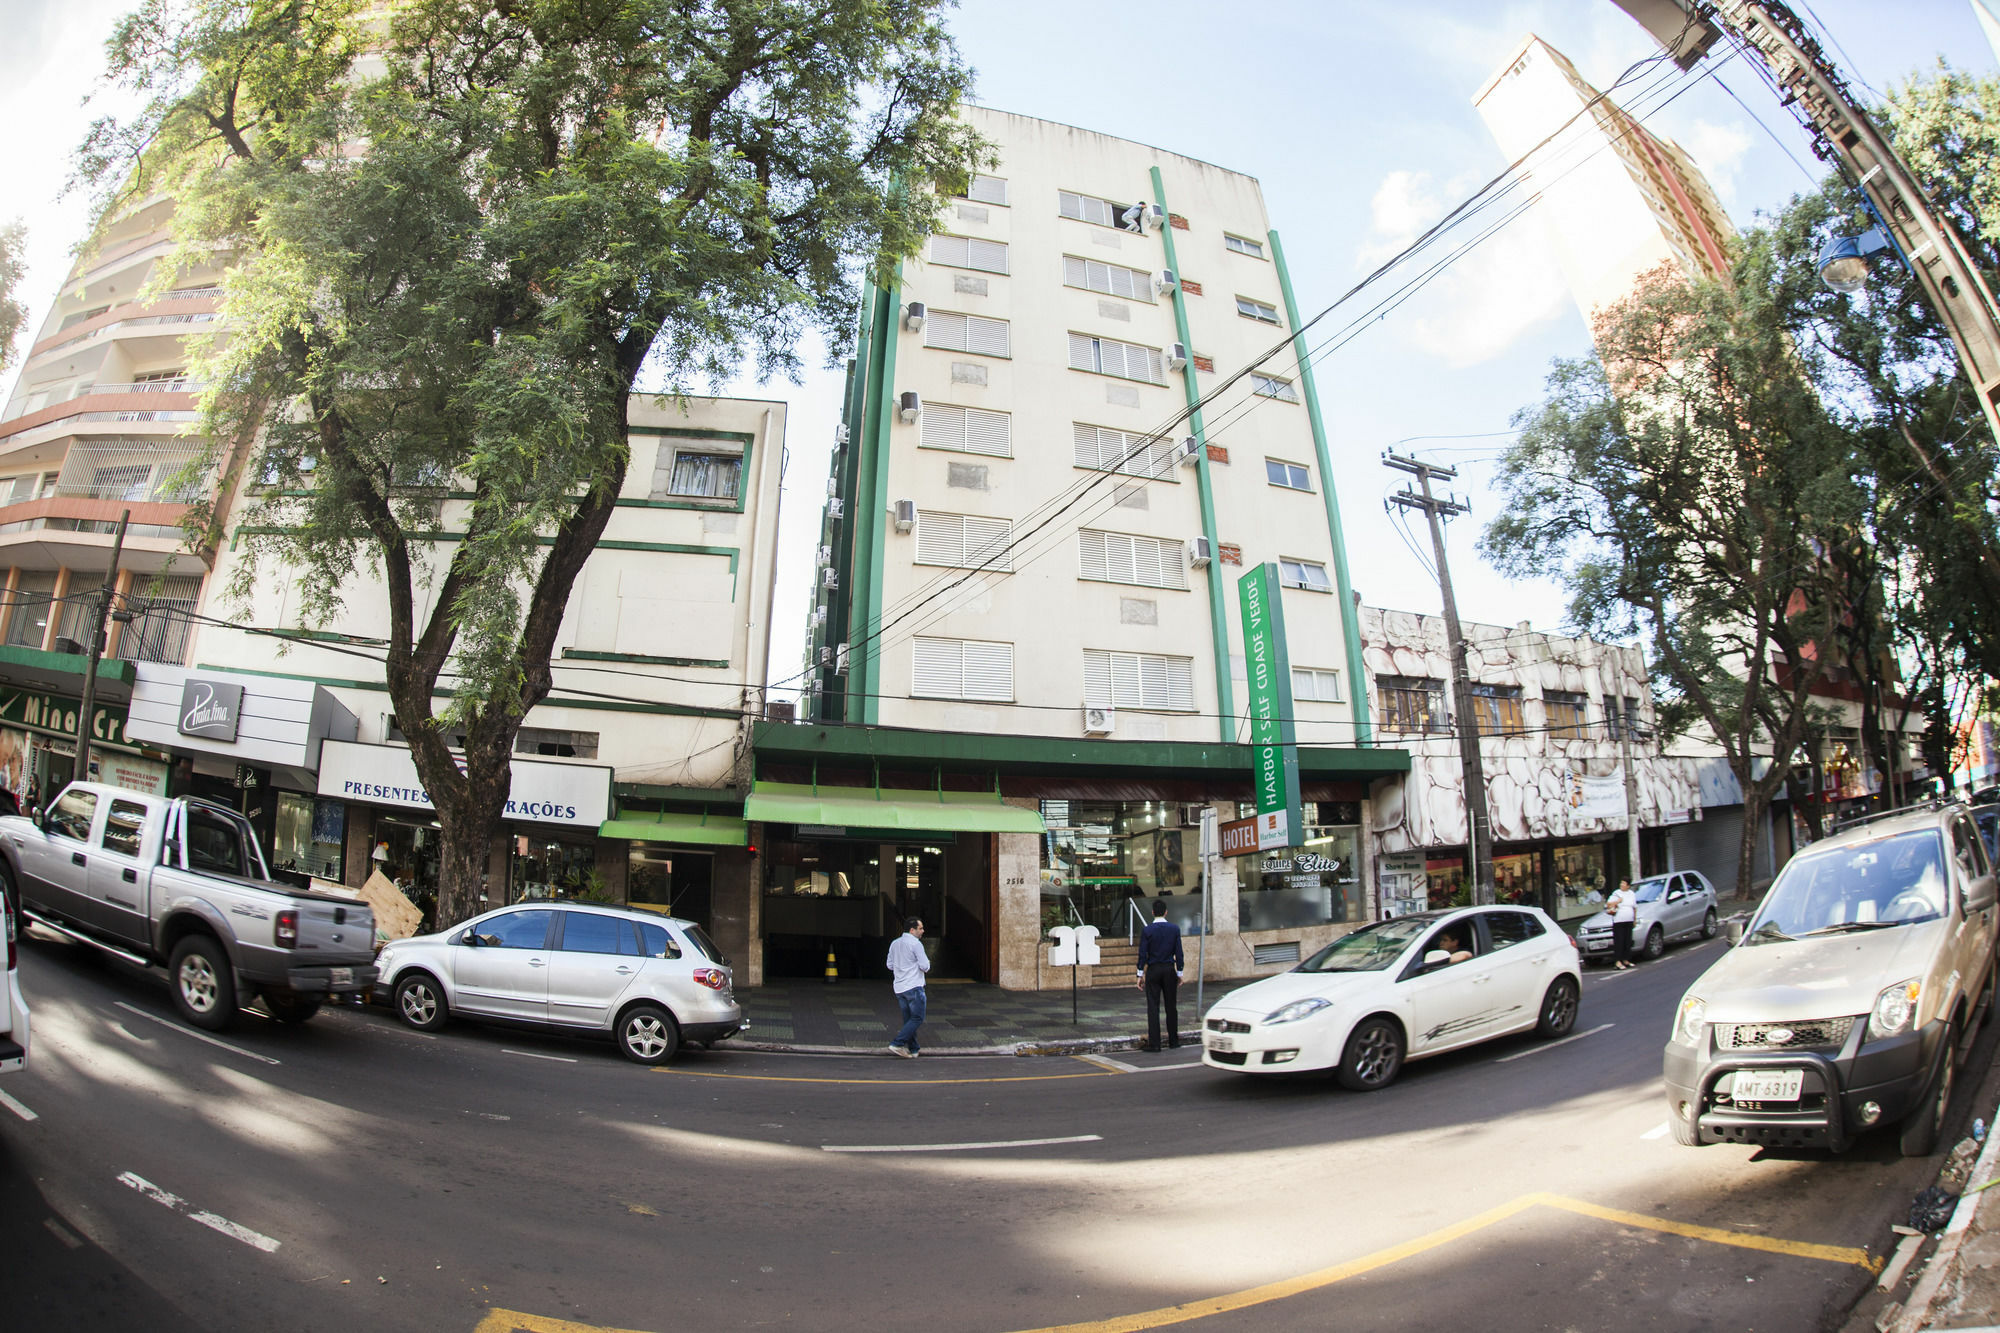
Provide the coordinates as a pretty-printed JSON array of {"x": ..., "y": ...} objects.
[
  {"x": 1099, "y": 855},
  {"x": 670, "y": 880},
  {"x": 541, "y": 867},
  {"x": 1579, "y": 878},
  {"x": 311, "y": 836},
  {"x": 1449, "y": 882},
  {"x": 1308, "y": 885},
  {"x": 407, "y": 854},
  {"x": 1517, "y": 878}
]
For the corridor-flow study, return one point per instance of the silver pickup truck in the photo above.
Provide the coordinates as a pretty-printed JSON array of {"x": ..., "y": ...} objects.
[{"x": 182, "y": 884}]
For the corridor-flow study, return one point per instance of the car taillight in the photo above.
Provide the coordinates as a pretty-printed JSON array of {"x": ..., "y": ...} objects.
[
  {"x": 712, "y": 977},
  {"x": 288, "y": 929},
  {"x": 1573, "y": 944}
]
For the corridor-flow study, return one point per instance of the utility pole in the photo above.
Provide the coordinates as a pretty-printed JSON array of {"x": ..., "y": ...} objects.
[
  {"x": 81, "y": 771},
  {"x": 1480, "y": 824},
  {"x": 1627, "y": 718}
]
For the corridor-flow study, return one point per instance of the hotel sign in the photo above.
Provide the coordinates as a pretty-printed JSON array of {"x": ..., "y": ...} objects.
[
  {"x": 1273, "y": 740},
  {"x": 210, "y": 708}
]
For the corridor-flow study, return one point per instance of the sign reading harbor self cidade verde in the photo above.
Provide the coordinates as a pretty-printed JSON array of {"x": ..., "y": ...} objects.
[{"x": 1274, "y": 749}]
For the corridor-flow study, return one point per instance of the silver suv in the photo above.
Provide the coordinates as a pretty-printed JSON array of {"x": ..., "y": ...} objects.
[
  {"x": 649, "y": 981},
  {"x": 1849, "y": 998}
]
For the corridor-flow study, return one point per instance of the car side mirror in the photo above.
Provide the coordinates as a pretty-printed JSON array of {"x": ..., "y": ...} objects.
[
  {"x": 1735, "y": 930},
  {"x": 1436, "y": 957},
  {"x": 1675, "y": 896},
  {"x": 470, "y": 939}
]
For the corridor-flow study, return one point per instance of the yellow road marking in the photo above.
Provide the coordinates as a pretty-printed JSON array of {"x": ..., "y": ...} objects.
[
  {"x": 513, "y": 1321},
  {"x": 776, "y": 1078},
  {"x": 1326, "y": 1277}
]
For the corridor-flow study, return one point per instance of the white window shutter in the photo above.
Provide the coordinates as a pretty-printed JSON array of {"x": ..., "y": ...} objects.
[
  {"x": 944, "y": 426},
  {"x": 938, "y": 670},
  {"x": 989, "y": 670},
  {"x": 1090, "y": 555},
  {"x": 988, "y": 256},
  {"x": 988, "y": 337},
  {"x": 1097, "y": 680},
  {"x": 949, "y": 250},
  {"x": 1180, "y": 683},
  {"x": 945, "y": 329},
  {"x": 1146, "y": 563},
  {"x": 988, "y": 432},
  {"x": 1069, "y": 205},
  {"x": 1076, "y": 272},
  {"x": 1156, "y": 364},
  {"x": 1082, "y": 352},
  {"x": 1127, "y": 687},
  {"x": 940, "y": 538},
  {"x": 1118, "y": 557},
  {"x": 988, "y": 190},
  {"x": 988, "y": 543},
  {"x": 1098, "y": 211}
]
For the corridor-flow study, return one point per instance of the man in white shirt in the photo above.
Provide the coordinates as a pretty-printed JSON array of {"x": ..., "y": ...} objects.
[{"x": 907, "y": 963}]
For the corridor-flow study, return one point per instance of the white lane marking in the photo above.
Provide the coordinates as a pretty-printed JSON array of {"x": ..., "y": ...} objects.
[
  {"x": 959, "y": 1147},
  {"x": 128, "y": 1034},
  {"x": 532, "y": 1055},
  {"x": 488, "y": 1115},
  {"x": 1551, "y": 1045},
  {"x": 63, "y": 1233},
  {"x": 1106, "y": 1062},
  {"x": 1168, "y": 1069},
  {"x": 198, "y": 1036},
  {"x": 1658, "y": 1131},
  {"x": 174, "y": 1203},
  {"x": 17, "y": 1108}
]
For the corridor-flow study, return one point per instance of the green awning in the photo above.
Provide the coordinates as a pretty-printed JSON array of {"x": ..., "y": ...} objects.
[
  {"x": 672, "y": 826},
  {"x": 870, "y": 808}
]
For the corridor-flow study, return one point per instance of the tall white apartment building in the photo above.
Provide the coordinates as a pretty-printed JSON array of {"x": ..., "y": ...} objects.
[
  {"x": 1618, "y": 200},
  {"x": 1028, "y": 579}
]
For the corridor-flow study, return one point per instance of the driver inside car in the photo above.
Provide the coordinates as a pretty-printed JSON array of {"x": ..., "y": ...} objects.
[{"x": 1448, "y": 941}]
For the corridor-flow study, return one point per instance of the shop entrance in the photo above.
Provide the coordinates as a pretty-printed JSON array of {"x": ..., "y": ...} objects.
[
  {"x": 671, "y": 881},
  {"x": 850, "y": 898}
]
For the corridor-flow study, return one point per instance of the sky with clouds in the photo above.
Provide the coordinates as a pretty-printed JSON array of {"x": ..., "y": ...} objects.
[{"x": 1358, "y": 120}]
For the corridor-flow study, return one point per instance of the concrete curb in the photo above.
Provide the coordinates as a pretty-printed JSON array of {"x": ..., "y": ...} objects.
[
  {"x": 1938, "y": 1269},
  {"x": 1053, "y": 1046}
]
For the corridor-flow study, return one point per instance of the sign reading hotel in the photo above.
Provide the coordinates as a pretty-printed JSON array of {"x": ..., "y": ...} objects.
[
  {"x": 1239, "y": 837},
  {"x": 1273, "y": 740},
  {"x": 540, "y": 793},
  {"x": 210, "y": 708}
]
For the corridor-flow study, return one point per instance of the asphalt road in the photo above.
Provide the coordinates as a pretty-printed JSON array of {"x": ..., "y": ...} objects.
[{"x": 350, "y": 1173}]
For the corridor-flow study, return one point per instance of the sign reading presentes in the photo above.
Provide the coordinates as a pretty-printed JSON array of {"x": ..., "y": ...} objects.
[
  {"x": 210, "y": 708},
  {"x": 1274, "y": 747}
]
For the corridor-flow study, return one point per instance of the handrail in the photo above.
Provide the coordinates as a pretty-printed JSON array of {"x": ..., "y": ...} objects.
[{"x": 1132, "y": 914}]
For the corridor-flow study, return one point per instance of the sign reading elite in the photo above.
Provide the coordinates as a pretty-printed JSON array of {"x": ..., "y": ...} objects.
[{"x": 1273, "y": 740}]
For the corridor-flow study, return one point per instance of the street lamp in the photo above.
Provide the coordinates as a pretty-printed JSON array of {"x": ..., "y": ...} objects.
[{"x": 1843, "y": 264}]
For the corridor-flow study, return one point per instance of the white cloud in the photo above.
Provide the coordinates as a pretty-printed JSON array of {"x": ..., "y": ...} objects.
[
  {"x": 1489, "y": 298},
  {"x": 1718, "y": 150}
]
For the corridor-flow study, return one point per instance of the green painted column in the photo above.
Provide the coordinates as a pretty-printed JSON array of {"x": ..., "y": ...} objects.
[
  {"x": 833, "y": 707},
  {"x": 864, "y": 662},
  {"x": 1218, "y": 615},
  {"x": 862, "y": 596},
  {"x": 1350, "y": 616}
]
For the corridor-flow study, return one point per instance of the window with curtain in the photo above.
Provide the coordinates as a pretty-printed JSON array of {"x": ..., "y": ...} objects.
[{"x": 705, "y": 476}]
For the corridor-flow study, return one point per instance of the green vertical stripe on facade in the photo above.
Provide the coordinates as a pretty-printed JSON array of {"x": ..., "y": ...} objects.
[
  {"x": 864, "y": 671},
  {"x": 852, "y": 595},
  {"x": 1350, "y": 615},
  {"x": 1218, "y": 615},
  {"x": 832, "y": 705}
]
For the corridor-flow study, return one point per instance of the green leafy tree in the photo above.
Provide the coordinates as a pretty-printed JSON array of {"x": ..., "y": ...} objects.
[
  {"x": 463, "y": 229},
  {"x": 1686, "y": 485},
  {"x": 13, "y": 240}
]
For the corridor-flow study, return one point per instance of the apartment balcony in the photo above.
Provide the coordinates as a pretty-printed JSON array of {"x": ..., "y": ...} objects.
[
  {"x": 175, "y": 313},
  {"x": 111, "y": 402}
]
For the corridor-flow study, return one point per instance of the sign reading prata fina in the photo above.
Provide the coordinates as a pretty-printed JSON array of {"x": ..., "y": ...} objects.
[
  {"x": 1273, "y": 740},
  {"x": 210, "y": 708},
  {"x": 541, "y": 792}
]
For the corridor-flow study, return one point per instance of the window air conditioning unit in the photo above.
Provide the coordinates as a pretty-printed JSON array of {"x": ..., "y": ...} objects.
[
  {"x": 1191, "y": 815},
  {"x": 906, "y": 515},
  {"x": 1190, "y": 451},
  {"x": 1165, "y": 282},
  {"x": 840, "y": 660},
  {"x": 909, "y": 406},
  {"x": 1100, "y": 721},
  {"x": 840, "y": 434},
  {"x": 1153, "y": 218},
  {"x": 829, "y": 578},
  {"x": 1177, "y": 357},
  {"x": 825, "y": 556},
  {"x": 913, "y": 317},
  {"x": 832, "y": 485},
  {"x": 836, "y": 508},
  {"x": 826, "y": 655},
  {"x": 1198, "y": 553},
  {"x": 819, "y": 616}
]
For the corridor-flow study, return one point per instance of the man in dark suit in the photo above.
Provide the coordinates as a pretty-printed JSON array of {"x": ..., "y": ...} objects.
[{"x": 1160, "y": 965}]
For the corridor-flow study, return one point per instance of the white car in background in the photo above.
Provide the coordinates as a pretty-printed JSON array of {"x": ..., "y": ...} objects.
[
  {"x": 13, "y": 1009},
  {"x": 1672, "y": 907},
  {"x": 1391, "y": 992},
  {"x": 648, "y": 981}
]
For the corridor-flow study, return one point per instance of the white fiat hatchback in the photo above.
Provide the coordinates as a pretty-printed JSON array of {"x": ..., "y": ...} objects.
[{"x": 1398, "y": 990}]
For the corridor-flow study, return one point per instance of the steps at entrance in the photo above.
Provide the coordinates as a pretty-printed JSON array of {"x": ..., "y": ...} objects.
[{"x": 1118, "y": 964}]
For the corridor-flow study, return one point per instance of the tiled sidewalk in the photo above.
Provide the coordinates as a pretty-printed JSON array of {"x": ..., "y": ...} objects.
[{"x": 963, "y": 1016}]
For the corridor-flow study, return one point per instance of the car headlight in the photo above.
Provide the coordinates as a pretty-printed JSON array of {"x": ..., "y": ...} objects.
[
  {"x": 1895, "y": 1008},
  {"x": 1690, "y": 1019},
  {"x": 1296, "y": 1010}
]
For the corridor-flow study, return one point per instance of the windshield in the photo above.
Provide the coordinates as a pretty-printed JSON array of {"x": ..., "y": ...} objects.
[
  {"x": 1369, "y": 949},
  {"x": 1892, "y": 881},
  {"x": 1650, "y": 890}
]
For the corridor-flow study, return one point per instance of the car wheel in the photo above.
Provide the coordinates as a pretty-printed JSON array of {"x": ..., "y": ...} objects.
[
  {"x": 1686, "y": 1132},
  {"x": 204, "y": 983},
  {"x": 647, "y": 1035},
  {"x": 1709, "y": 925},
  {"x": 419, "y": 1001},
  {"x": 1559, "y": 1008},
  {"x": 1922, "y": 1128},
  {"x": 290, "y": 1007},
  {"x": 1373, "y": 1057},
  {"x": 1656, "y": 942}
]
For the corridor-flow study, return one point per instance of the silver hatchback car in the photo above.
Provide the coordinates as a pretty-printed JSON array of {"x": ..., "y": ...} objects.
[
  {"x": 650, "y": 981},
  {"x": 1676, "y": 906}
]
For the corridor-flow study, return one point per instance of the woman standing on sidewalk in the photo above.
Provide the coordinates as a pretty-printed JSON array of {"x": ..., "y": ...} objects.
[{"x": 1624, "y": 909}]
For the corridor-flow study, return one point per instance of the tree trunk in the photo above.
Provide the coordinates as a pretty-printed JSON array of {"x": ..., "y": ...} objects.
[
  {"x": 1754, "y": 806},
  {"x": 470, "y": 819}
]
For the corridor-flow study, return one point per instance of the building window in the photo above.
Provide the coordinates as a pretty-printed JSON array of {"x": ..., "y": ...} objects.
[
  {"x": 1565, "y": 714},
  {"x": 1111, "y": 279},
  {"x": 1498, "y": 708},
  {"x": 968, "y": 430},
  {"x": 1270, "y": 386},
  {"x": 1262, "y": 311},
  {"x": 963, "y": 669},
  {"x": 1315, "y": 685},
  {"x": 1089, "y": 208},
  {"x": 694, "y": 474},
  {"x": 1107, "y": 356},
  {"x": 556, "y": 744},
  {"x": 28, "y": 608},
  {"x": 163, "y": 621},
  {"x": 1148, "y": 681},
  {"x": 1106, "y": 450},
  {"x": 1304, "y": 574},
  {"x": 964, "y": 541},
  {"x": 1290, "y": 475},
  {"x": 1242, "y": 246},
  {"x": 966, "y": 333},
  {"x": 1631, "y": 725},
  {"x": 969, "y": 252},
  {"x": 125, "y": 481},
  {"x": 1119, "y": 557},
  {"x": 987, "y": 190},
  {"x": 1411, "y": 704}
]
